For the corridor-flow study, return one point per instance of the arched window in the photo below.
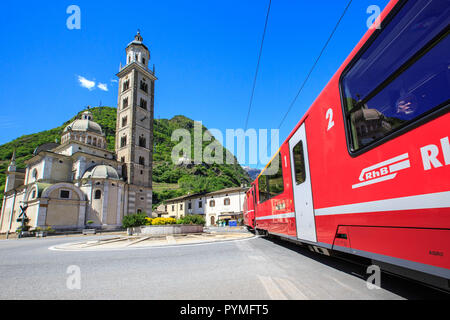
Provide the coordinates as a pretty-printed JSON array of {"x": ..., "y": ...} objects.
[
  {"x": 98, "y": 194},
  {"x": 124, "y": 172},
  {"x": 126, "y": 85},
  {"x": 125, "y": 103},
  {"x": 143, "y": 103},
  {"x": 144, "y": 86},
  {"x": 34, "y": 174},
  {"x": 142, "y": 142},
  {"x": 123, "y": 141},
  {"x": 142, "y": 161},
  {"x": 212, "y": 203}
]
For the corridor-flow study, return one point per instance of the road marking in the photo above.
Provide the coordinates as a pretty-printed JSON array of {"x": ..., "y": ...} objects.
[
  {"x": 57, "y": 247},
  {"x": 291, "y": 289},
  {"x": 171, "y": 240},
  {"x": 137, "y": 241},
  {"x": 100, "y": 242},
  {"x": 271, "y": 288}
]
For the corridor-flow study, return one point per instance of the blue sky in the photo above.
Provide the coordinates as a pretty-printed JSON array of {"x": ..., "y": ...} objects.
[{"x": 205, "y": 53}]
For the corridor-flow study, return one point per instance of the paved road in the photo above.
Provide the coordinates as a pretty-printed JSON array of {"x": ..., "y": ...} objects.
[{"x": 258, "y": 268}]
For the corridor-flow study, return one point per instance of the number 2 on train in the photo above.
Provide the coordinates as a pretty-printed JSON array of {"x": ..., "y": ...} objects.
[{"x": 330, "y": 119}]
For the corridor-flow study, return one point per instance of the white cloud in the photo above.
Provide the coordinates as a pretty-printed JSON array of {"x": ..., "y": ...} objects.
[
  {"x": 102, "y": 86},
  {"x": 85, "y": 83},
  {"x": 113, "y": 80}
]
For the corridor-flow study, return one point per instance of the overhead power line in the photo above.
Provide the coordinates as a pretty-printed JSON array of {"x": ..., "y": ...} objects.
[
  {"x": 257, "y": 66},
  {"x": 315, "y": 64}
]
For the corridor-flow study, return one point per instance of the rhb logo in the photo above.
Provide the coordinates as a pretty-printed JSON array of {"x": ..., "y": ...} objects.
[{"x": 383, "y": 171}]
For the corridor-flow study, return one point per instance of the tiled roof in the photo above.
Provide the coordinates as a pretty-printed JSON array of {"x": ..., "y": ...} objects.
[{"x": 198, "y": 195}]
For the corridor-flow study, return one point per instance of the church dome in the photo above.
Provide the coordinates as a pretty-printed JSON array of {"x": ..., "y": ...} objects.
[
  {"x": 84, "y": 126},
  {"x": 138, "y": 40},
  {"x": 101, "y": 172}
]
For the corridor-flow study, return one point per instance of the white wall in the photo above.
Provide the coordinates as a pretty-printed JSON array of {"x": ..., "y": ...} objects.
[{"x": 236, "y": 205}]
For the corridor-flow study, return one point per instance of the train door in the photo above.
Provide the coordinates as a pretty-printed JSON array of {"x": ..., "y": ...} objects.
[
  {"x": 251, "y": 207},
  {"x": 301, "y": 184}
]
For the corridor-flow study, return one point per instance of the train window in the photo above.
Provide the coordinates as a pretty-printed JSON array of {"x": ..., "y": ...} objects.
[
  {"x": 275, "y": 177},
  {"x": 299, "y": 163},
  {"x": 402, "y": 76},
  {"x": 262, "y": 188},
  {"x": 270, "y": 183}
]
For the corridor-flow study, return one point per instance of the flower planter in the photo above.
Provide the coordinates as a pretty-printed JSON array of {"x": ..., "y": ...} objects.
[
  {"x": 89, "y": 231},
  {"x": 170, "y": 229}
]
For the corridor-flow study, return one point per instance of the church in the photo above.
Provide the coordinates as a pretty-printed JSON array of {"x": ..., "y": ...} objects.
[{"x": 64, "y": 186}]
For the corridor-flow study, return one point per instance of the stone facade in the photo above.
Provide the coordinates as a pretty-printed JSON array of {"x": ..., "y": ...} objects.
[{"x": 65, "y": 186}]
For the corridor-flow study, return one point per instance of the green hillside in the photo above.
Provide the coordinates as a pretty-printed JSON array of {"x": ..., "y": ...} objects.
[{"x": 169, "y": 179}]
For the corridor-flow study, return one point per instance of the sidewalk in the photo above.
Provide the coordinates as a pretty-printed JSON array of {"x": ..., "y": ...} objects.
[{"x": 225, "y": 229}]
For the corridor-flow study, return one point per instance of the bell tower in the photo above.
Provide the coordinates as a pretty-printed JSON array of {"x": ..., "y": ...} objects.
[
  {"x": 11, "y": 178},
  {"x": 134, "y": 128}
]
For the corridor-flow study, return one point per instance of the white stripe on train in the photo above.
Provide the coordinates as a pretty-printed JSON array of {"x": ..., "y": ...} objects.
[{"x": 423, "y": 201}]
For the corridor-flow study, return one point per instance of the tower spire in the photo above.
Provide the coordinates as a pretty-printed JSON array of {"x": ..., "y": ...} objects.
[
  {"x": 138, "y": 36},
  {"x": 12, "y": 164}
]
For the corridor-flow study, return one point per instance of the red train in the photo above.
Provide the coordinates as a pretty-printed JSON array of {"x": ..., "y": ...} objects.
[{"x": 366, "y": 171}]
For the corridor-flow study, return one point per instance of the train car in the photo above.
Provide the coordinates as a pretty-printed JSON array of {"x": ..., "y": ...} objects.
[
  {"x": 249, "y": 209},
  {"x": 366, "y": 171}
]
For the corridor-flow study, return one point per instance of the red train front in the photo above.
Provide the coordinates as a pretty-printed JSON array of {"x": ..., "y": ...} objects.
[{"x": 367, "y": 169}]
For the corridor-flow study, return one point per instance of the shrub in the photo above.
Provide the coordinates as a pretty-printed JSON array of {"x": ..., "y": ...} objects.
[
  {"x": 49, "y": 230},
  {"x": 192, "y": 219},
  {"x": 148, "y": 221},
  {"x": 134, "y": 220},
  {"x": 163, "y": 221}
]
